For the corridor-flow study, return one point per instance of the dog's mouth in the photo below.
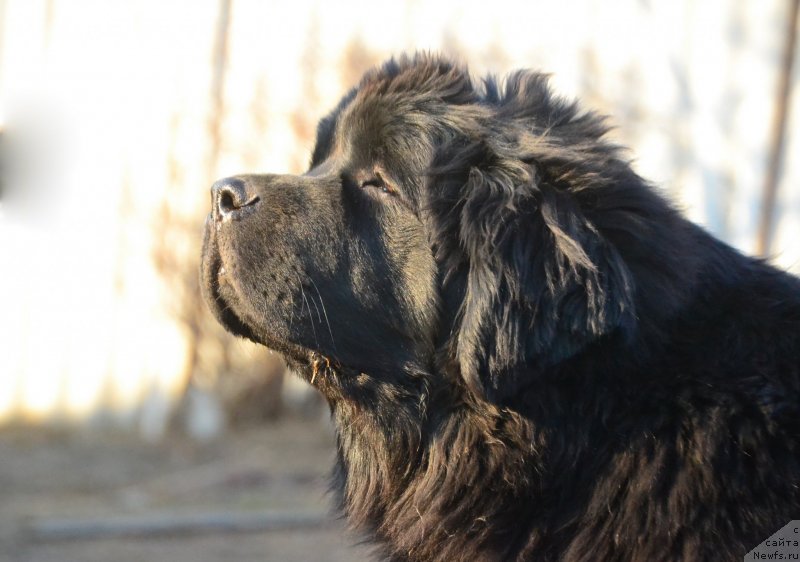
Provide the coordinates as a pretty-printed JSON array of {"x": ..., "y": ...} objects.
[{"x": 224, "y": 301}]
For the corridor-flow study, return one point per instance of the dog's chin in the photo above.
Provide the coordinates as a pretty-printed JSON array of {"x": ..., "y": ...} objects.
[
  {"x": 305, "y": 362},
  {"x": 226, "y": 307}
]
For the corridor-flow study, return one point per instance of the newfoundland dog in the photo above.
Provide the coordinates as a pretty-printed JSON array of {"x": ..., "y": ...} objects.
[{"x": 528, "y": 353}]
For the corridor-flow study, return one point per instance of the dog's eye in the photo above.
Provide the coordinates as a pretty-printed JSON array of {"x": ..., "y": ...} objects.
[{"x": 377, "y": 183}]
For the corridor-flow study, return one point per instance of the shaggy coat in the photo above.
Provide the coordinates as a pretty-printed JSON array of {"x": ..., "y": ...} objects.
[{"x": 528, "y": 353}]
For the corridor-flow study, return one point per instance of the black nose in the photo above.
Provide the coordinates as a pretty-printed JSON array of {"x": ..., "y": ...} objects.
[{"x": 230, "y": 197}]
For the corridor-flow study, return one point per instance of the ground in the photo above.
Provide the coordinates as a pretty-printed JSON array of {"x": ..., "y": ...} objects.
[{"x": 257, "y": 494}]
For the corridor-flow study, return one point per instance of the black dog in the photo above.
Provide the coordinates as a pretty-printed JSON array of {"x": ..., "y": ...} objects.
[{"x": 528, "y": 353}]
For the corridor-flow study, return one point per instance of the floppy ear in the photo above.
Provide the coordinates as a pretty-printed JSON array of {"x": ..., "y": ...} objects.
[{"x": 539, "y": 281}]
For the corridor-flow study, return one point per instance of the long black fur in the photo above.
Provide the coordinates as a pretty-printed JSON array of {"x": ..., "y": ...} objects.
[{"x": 528, "y": 353}]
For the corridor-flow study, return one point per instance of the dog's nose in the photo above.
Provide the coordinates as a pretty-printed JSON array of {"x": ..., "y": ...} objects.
[{"x": 230, "y": 198}]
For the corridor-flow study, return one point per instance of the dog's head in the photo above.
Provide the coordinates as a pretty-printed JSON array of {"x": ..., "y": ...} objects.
[{"x": 443, "y": 226}]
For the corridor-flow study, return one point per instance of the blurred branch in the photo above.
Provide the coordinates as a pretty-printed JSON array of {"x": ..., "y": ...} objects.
[
  {"x": 220, "y": 54},
  {"x": 778, "y": 139}
]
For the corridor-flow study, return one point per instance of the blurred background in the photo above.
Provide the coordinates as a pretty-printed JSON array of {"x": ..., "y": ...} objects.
[{"x": 131, "y": 425}]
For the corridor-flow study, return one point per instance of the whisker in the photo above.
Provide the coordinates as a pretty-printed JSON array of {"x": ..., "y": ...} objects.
[
  {"x": 311, "y": 314},
  {"x": 322, "y": 303},
  {"x": 314, "y": 302}
]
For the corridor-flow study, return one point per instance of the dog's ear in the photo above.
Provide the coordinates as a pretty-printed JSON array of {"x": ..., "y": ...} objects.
[{"x": 538, "y": 282}]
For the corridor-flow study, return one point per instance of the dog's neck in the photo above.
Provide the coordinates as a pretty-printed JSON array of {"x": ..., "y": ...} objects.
[{"x": 411, "y": 476}]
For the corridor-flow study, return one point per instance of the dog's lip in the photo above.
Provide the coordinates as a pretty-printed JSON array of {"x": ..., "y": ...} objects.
[
  {"x": 218, "y": 276},
  {"x": 214, "y": 275},
  {"x": 223, "y": 310}
]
